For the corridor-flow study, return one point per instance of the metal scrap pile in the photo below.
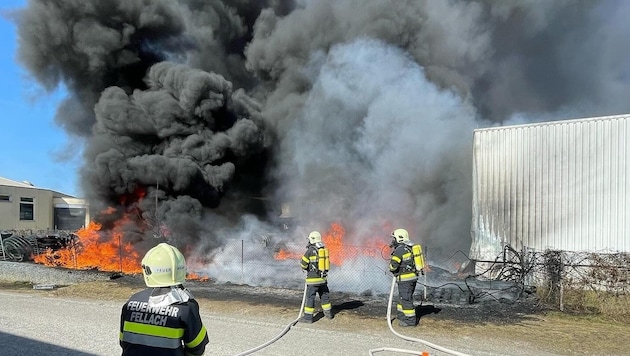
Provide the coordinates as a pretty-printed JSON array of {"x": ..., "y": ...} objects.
[{"x": 22, "y": 247}]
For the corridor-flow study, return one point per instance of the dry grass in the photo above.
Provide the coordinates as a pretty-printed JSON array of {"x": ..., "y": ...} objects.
[{"x": 609, "y": 307}]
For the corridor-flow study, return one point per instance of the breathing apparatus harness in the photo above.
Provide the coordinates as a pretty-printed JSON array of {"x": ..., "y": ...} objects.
[
  {"x": 411, "y": 261},
  {"x": 321, "y": 266}
]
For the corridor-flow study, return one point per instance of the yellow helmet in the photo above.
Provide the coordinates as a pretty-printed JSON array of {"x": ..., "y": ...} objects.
[
  {"x": 163, "y": 266},
  {"x": 314, "y": 237},
  {"x": 400, "y": 235}
]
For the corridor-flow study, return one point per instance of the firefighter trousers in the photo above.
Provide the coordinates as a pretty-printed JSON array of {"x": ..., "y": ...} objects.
[
  {"x": 324, "y": 295},
  {"x": 406, "y": 310}
]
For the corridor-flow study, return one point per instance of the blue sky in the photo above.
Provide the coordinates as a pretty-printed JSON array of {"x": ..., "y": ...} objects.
[{"x": 34, "y": 148}]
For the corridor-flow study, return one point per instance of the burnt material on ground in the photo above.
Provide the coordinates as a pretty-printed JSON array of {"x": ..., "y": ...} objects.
[
  {"x": 487, "y": 310},
  {"x": 441, "y": 303}
]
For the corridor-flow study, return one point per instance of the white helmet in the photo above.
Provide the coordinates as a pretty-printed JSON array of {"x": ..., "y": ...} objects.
[
  {"x": 314, "y": 237},
  {"x": 400, "y": 235},
  {"x": 163, "y": 266}
]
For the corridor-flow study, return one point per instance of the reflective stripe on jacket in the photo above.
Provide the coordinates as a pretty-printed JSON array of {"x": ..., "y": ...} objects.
[
  {"x": 170, "y": 330},
  {"x": 401, "y": 263},
  {"x": 309, "y": 263}
]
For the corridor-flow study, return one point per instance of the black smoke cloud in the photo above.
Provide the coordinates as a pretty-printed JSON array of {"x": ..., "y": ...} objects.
[{"x": 356, "y": 111}]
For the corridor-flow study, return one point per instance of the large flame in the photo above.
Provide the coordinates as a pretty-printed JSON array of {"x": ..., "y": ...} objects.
[
  {"x": 102, "y": 250},
  {"x": 107, "y": 250},
  {"x": 93, "y": 250},
  {"x": 339, "y": 251}
]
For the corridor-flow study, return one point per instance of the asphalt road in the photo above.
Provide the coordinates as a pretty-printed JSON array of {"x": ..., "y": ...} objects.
[{"x": 32, "y": 324}]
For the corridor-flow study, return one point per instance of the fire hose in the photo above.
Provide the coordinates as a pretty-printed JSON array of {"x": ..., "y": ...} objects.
[
  {"x": 281, "y": 334},
  {"x": 389, "y": 323}
]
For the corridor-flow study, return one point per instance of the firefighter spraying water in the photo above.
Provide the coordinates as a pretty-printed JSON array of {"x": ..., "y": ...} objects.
[
  {"x": 406, "y": 263},
  {"x": 316, "y": 263}
]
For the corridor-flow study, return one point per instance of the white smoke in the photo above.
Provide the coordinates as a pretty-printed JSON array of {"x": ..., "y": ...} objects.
[{"x": 377, "y": 145}]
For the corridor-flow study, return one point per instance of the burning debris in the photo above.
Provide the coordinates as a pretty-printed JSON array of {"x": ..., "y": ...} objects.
[
  {"x": 189, "y": 112},
  {"x": 89, "y": 252},
  {"x": 21, "y": 246}
]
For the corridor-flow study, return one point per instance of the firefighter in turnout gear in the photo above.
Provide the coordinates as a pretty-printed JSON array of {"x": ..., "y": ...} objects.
[
  {"x": 164, "y": 318},
  {"x": 316, "y": 263},
  {"x": 406, "y": 263}
]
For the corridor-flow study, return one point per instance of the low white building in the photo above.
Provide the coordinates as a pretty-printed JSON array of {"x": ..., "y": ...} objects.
[{"x": 24, "y": 207}]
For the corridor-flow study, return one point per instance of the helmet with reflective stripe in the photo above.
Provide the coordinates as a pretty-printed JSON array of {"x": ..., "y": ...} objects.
[
  {"x": 400, "y": 235},
  {"x": 163, "y": 266},
  {"x": 314, "y": 237}
]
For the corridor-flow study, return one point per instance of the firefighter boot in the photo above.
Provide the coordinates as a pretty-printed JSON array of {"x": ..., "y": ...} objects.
[
  {"x": 306, "y": 319},
  {"x": 328, "y": 314},
  {"x": 405, "y": 323}
]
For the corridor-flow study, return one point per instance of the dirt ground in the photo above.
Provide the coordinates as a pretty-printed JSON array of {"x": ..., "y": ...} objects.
[{"x": 522, "y": 323}]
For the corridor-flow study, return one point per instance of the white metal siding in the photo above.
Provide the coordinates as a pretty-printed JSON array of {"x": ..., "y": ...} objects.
[{"x": 559, "y": 185}]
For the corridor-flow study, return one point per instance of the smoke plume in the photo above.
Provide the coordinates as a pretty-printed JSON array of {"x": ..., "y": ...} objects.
[{"x": 359, "y": 112}]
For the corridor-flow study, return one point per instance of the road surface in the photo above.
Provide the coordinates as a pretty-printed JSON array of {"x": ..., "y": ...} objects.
[{"x": 34, "y": 324}]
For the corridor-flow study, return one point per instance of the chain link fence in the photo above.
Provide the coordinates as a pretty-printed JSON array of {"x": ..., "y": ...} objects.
[
  {"x": 607, "y": 273},
  {"x": 356, "y": 269},
  {"x": 556, "y": 272},
  {"x": 363, "y": 270}
]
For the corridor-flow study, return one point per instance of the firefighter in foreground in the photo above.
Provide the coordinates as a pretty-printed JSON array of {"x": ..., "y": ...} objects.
[
  {"x": 406, "y": 263},
  {"x": 164, "y": 318},
  {"x": 316, "y": 263}
]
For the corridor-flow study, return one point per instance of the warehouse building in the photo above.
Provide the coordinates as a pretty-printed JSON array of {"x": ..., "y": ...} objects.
[
  {"x": 560, "y": 185},
  {"x": 24, "y": 207}
]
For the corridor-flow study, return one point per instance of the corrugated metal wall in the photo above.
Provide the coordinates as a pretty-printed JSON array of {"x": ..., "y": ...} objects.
[{"x": 559, "y": 185}]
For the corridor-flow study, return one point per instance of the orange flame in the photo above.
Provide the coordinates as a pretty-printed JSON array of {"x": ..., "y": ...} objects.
[
  {"x": 106, "y": 250},
  {"x": 339, "y": 252},
  {"x": 285, "y": 255},
  {"x": 89, "y": 252},
  {"x": 192, "y": 276},
  {"x": 102, "y": 250}
]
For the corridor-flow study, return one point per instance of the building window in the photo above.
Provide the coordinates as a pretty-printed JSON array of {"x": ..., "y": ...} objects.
[
  {"x": 69, "y": 218},
  {"x": 5, "y": 197},
  {"x": 27, "y": 208}
]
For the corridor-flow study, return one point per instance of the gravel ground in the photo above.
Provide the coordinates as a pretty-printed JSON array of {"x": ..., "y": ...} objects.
[{"x": 39, "y": 274}]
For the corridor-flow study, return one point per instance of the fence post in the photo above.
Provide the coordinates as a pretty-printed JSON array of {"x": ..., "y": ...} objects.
[
  {"x": 4, "y": 256},
  {"x": 560, "y": 278},
  {"x": 74, "y": 255},
  {"x": 242, "y": 262},
  {"x": 426, "y": 261},
  {"x": 120, "y": 252},
  {"x": 555, "y": 269}
]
